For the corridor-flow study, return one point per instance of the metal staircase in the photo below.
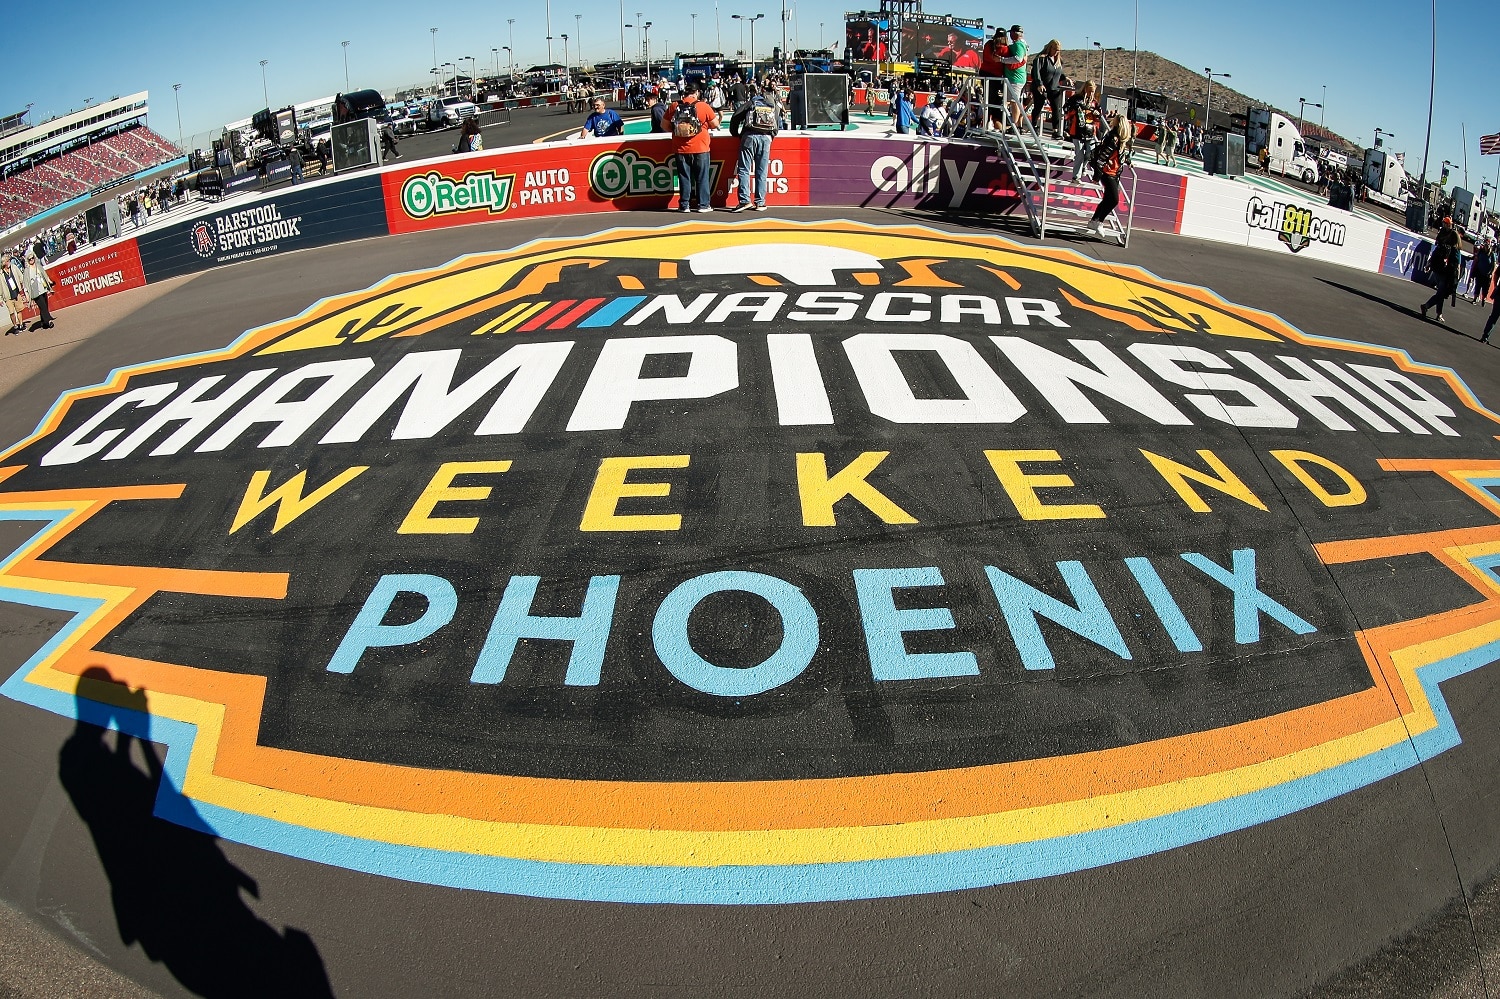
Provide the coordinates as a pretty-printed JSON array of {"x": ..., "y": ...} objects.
[{"x": 1042, "y": 172}]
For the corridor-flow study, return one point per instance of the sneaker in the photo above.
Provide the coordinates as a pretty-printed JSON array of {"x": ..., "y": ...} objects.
[
  {"x": 706, "y": 208},
  {"x": 1441, "y": 319},
  {"x": 741, "y": 208},
  {"x": 760, "y": 208},
  {"x": 1093, "y": 230}
]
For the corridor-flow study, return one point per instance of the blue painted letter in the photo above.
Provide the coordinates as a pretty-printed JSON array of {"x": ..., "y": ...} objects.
[
  {"x": 1023, "y": 603},
  {"x": 368, "y": 633},
  {"x": 885, "y": 624},
  {"x": 1249, "y": 602},
  {"x": 799, "y": 635},
  {"x": 589, "y": 631}
]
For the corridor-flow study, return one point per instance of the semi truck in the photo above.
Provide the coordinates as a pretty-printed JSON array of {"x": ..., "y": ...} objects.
[
  {"x": 1386, "y": 181},
  {"x": 1286, "y": 152}
]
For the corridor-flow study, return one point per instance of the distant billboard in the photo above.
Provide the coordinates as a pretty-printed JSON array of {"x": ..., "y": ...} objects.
[
  {"x": 867, "y": 38},
  {"x": 954, "y": 40}
]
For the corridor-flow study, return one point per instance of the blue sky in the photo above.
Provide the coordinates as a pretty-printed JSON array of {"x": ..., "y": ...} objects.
[{"x": 1372, "y": 55}]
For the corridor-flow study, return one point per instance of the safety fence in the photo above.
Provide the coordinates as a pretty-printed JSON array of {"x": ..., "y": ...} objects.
[{"x": 634, "y": 174}]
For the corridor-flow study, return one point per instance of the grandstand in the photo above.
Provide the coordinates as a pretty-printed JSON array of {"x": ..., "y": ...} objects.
[{"x": 76, "y": 154}]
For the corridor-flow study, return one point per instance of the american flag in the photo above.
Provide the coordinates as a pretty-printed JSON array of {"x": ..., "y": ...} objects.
[{"x": 1489, "y": 145}]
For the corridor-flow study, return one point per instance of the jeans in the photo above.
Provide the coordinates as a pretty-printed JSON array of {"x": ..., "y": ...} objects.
[
  {"x": 755, "y": 154},
  {"x": 692, "y": 180},
  {"x": 1111, "y": 196}
]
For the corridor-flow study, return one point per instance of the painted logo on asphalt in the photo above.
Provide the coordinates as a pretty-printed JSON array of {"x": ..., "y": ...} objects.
[{"x": 759, "y": 564}]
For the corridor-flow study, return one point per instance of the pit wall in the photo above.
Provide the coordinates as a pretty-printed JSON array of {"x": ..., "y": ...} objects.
[{"x": 635, "y": 174}]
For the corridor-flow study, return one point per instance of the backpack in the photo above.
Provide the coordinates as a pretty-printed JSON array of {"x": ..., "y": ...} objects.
[
  {"x": 685, "y": 123},
  {"x": 762, "y": 117}
]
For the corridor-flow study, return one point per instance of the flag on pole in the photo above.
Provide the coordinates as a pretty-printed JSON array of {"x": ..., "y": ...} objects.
[{"x": 1489, "y": 145}]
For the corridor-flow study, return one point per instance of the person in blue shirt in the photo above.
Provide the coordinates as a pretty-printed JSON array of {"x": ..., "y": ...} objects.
[
  {"x": 602, "y": 122},
  {"x": 902, "y": 110}
]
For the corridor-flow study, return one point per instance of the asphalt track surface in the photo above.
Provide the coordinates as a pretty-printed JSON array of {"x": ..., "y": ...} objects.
[{"x": 1386, "y": 890}]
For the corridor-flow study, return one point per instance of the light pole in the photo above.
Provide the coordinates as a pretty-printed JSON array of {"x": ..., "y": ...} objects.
[
  {"x": 566, "y": 64},
  {"x": 495, "y": 53},
  {"x": 1379, "y": 132},
  {"x": 176, "y": 87},
  {"x": 1208, "y": 97},
  {"x": 1135, "y": 71},
  {"x": 1427, "y": 148},
  {"x": 750, "y": 21},
  {"x": 718, "y": 36},
  {"x": 473, "y": 71},
  {"x": 578, "y": 38},
  {"x": 345, "y": 46},
  {"x": 263, "y": 91},
  {"x": 783, "y": 35},
  {"x": 1102, "y": 51},
  {"x": 820, "y": 36},
  {"x": 694, "y": 42},
  {"x": 1302, "y": 105},
  {"x": 510, "y": 59},
  {"x": 622, "y": 46},
  {"x": 455, "y": 76},
  {"x": 638, "y": 47},
  {"x": 1321, "y": 111},
  {"x": 434, "y": 48},
  {"x": 549, "y": 32},
  {"x": 510, "y": 24}
]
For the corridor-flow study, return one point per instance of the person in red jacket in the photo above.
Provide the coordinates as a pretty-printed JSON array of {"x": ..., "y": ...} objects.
[
  {"x": 992, "y": 67},
  {"x": 691, "y": 122}
]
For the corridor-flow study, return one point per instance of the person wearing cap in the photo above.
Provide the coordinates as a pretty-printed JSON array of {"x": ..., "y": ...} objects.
[
  {"x": 692, "y": 121},
  {"x": 1442, "y": 264},
  {"x": 992, "y": 68},
  {"x": 1014, "y": 62}
]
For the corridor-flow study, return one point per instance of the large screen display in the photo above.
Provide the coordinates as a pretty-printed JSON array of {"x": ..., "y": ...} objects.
[
  {"x": 955, "y": 42},
  {"x": 867, "y": 38}
]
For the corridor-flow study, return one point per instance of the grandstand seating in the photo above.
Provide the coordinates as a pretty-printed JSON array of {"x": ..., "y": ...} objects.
[{"x": 80, "y": 171}]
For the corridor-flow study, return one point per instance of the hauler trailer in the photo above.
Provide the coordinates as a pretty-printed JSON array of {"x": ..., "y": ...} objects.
[
  {"x": 1386, "y": 181},
  {"x": 1287, "y": 153}
]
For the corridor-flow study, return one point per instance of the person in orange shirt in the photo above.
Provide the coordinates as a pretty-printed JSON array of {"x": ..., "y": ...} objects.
[{"x": 691, "y": 122}]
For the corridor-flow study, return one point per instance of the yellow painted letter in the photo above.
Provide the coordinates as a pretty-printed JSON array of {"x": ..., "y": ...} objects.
[
  {"x": 1223, "y": 480},
  {"x": 1021, "y": 487},
  {"x": 1294, "y": 460},
  {"x": 819, "y": 492},
  {"x": 287, "y": 498},
  {"x": 440, "y": 489},
  {"x": 610, "y": 487}
]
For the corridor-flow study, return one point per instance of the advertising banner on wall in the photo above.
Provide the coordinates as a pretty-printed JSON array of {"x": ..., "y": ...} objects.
[
  {"x": 569, "y": 179},
  {"x": 93, "y": 275},
  {"x": 294, "y": 219},
  {"x": 1230, "y": 212}
]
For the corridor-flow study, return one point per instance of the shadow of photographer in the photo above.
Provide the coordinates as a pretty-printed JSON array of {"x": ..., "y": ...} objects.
[{"x": 173, "y": 890}]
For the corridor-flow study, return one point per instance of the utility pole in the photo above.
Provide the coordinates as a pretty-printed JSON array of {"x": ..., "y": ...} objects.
[
  {"x": 346, "y": 65},
  {"x": 263, "y": 91},
  {"x": 176, "y": 87}
]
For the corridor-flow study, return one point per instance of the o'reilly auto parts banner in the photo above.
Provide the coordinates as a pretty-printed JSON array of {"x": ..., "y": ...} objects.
[
  {"x": 94, "y": 275},
  {"x": 292, "y": 220},
  {"x": 570, "y": 179}
]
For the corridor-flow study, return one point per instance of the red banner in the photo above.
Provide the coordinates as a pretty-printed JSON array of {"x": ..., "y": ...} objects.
[
  {"x": 94, "y": 274},
  {"x": 570, "y": 178}
]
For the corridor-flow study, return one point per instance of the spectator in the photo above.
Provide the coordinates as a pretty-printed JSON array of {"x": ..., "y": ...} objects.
[
  {"x": 602, "y": 122},
  {"x": 1166, "y": 146},
  {"x": 294, "y": 160},
  {"x": 469, "y": 138},
  {"x": 38, "y": 287},
  {"x": 1081, "y": 122},
  {"x": 1107, "y": 161},
  {"x": 1014, "y": 62},
  {"x": 1443, "y": 264},
  {"x": 755, "y": 123},
  {"x": 1480, "y": 271},
  {"x": 387, "y": 145},
  {"x": 658, "y": 112},
  {"x": 992, "y": 68},
  {"x": 1046, "y": 83},
  {"x": 901, "y": 110},
  {"x": 692, "y": 121},
  {"x": 932, "y": 120},
  {"x": 14, "y": 289}
]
